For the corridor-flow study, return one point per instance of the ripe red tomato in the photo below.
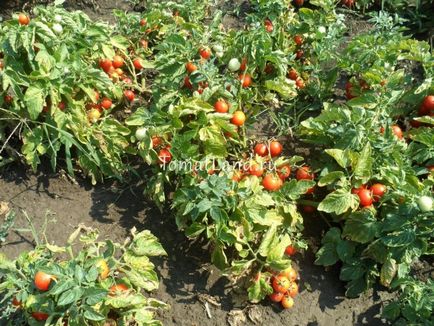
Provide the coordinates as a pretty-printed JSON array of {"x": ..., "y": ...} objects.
[
  {"x": 106, "y": 65},
  {"x": 106, "y": 103},
  {"x": 16, "y": 302},
  {"x": 293, "y": 290},
  {"x": 276, "y": 296},
  {"x": 142, "y": 22},
  {"x": 261, "y": 149},
  {"x": 281, "y": 283},
  {"x": 415, "y": 123},
  {"x": 221, "y": 106},
  {"x": 205, "y": 53},
  {"x": 138, "y": 64},
  {"x": 310, "y": 190},
  {"x": 268, "y": 25},
  {"x": 246, "y": 80},
  {"x": 292, "y": 74},
  {"x": 299, "y": 54},
  {"x": 304, "y": 173},
  {"x": 256, "y": 169},
  {"x": 42, "y": 280},
  {"x": 428, "y": 103},
  {"x": 61, "y": 106},
  {"x": 284, "y": 172},
  {"x": 129, "y": 95},
  {"x": 356, "y": 191},
  {"x": 190, "y": 67},
  {"x": 156, "y": 141},
  {"x": 118, "y": 61},
  {"x": 164, "y": 156},
  {"x": 40, "y": 316},
  {"x": 275, "y": 148},
  {"x": 287, "y": 302},
  {"x": 23, "y": 19},
  {"x": 298, "y": 39},
  {"x": 290, "y": 250},
  {"x": 299, "y": 3},
  {"x": 300, "y": 83},
  {"x": 271, "y": 182},
  {"x": 423, "y": 110},
  {"x": 187, "y": 82},
  {"x": 8, "y": 99},
  {"x": 238, "y": 118},
  {"x": 117, "y": 289},
  {"x": 378, "y": 191},
  {"x": 365, "y": 197},
  {"x": 397, "y": 131}
]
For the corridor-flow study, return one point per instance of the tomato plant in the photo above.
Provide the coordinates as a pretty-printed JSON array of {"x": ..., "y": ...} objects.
[{"x": 102, "y": 280}]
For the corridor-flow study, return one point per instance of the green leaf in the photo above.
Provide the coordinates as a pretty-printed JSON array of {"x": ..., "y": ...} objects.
[
  {"x": 388, "y": 272},
  {"x": 284, "y": 88},
  {"x": 138, "y": 263},
  {"x": 327, "y": 255},
  {"x": 330, "y": 178},
  {"x": 60, "y": 287},
  {"x": 146, "y": 244},
  {"x": 363, "y": 167},
  {"x": 277, "y": 251},
  {"x": 340, "y": 156},
  {"x": 356, "y": 287},
  {"x": 92, "y": 314},
  {"x": 294, "y": 189},
  {"x": 218, "y": 215},
  {"x": 392, "y": 311},
  {"x": 259, "y": 290},
  {"x": 219, "y": 258},
  {"x": 399, "y": 239},
  {"x": 145, "y": 279},
  {"x": 94, "y": 295},
  {"x": 34, "y": 100},
  {"x": 345, "y": 250},
  {"x": 268, "y": 240},
  {"x": 333, "y": 235},
  {"x": 339, "y": 202},
  {"x": 361, "y": 226},
  {"x": 126, "y": 301},
  {"x": 70, "y": 296},
  {"x": 352, "y": 271}
]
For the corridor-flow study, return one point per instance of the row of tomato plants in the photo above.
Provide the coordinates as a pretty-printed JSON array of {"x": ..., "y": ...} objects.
[{"x": 211, "y": 83}]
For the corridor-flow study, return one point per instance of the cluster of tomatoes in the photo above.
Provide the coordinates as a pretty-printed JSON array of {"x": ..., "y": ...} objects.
[
  {"x": 272, "y": 181},
  {"x": 369, "y": 195},
  {"x": 285, "y": 287}
]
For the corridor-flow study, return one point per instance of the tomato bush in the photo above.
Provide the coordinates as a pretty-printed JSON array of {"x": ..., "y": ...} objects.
[
  {"x": 178, "y": 98},
  {"x": 100, "y": 281}
]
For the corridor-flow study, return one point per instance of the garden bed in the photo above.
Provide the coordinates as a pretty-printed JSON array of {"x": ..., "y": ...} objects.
[{"x": 196, "y": 291}]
